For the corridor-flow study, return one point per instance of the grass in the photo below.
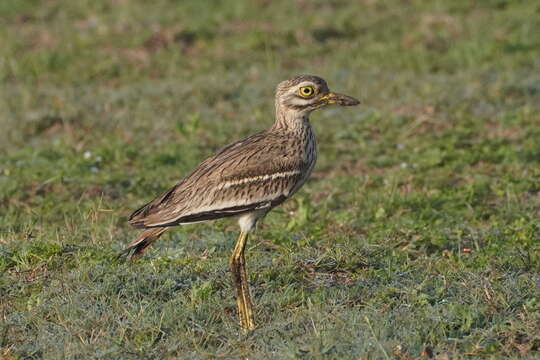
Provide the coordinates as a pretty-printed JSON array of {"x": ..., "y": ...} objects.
[{"x": 417, "y": 236}]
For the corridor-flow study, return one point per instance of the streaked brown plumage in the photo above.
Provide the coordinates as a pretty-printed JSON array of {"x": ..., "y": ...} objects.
[{"x": 246, "y": 179}]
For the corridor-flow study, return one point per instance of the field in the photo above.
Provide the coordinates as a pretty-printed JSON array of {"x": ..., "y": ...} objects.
[{"x": 417, "y": 237}]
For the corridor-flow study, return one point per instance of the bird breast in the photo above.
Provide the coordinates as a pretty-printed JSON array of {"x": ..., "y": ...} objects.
[{"x": 306, "y": 147}]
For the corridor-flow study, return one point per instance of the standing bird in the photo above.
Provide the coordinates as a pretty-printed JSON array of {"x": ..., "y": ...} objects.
[{"x": 246, "y": 179}]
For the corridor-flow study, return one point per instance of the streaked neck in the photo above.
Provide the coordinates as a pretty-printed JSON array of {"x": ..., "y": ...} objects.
[{"x": 290, "y": 120}]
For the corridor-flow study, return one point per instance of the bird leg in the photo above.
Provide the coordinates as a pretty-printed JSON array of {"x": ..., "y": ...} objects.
[{"x": 238, "y": 268}]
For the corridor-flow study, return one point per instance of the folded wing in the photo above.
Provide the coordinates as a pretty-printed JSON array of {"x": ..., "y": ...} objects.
[{"x": 258, "y": 172}]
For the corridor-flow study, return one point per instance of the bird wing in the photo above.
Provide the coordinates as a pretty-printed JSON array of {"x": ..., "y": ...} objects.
[{"x": 258, "y": 172}]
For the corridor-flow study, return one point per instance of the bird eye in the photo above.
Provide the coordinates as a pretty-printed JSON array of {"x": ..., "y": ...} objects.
[{"x": 306, "y": 91}]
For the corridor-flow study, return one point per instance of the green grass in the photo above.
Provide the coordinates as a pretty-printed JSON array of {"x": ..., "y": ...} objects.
[{"x": 418, "y": 235}]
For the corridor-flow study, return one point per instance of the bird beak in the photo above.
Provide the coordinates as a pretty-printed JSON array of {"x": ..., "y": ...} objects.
[{"x": 340, "y": 99}]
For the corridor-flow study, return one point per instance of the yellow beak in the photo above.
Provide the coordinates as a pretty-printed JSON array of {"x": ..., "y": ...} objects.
[{"x": 340, "y": 99}]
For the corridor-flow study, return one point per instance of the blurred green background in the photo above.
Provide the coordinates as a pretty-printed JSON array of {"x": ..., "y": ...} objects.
[{"x": 417, "y": 236}]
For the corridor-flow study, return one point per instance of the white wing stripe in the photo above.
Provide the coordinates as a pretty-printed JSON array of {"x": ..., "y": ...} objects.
[
  {"x": 232, "y": 202},
  {"x": 248, "y": 180}
]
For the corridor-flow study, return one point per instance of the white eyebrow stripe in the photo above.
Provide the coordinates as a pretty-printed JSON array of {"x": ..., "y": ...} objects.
[
  {"x": 284, "y": 174},
  {"x": 305, "y": 83}
]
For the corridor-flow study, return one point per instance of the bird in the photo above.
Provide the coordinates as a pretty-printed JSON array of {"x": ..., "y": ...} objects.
[{"x": 245, "y": 179}]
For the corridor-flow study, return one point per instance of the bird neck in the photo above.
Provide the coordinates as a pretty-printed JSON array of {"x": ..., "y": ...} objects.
[{"x": 291, "y": 120}]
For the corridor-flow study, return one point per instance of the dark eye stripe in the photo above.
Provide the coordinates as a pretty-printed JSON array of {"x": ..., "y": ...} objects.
[{"x": 305, "y": 106}]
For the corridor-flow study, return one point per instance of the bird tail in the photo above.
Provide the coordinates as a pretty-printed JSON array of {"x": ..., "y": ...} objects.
[{"x": 141, "y": 243}]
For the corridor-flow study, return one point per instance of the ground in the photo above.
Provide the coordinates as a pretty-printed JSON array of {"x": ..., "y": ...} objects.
[{"x": 416, "y": 237}]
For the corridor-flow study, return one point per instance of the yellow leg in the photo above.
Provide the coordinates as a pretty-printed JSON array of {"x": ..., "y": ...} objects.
[{"x": 238, "y": 268}]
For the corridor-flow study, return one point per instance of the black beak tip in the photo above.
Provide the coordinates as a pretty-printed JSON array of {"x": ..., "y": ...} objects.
[
  {"x": 342, "y": 100},
  {"x": 353, "y": 102},
  {"x": 348, "y": 101}
]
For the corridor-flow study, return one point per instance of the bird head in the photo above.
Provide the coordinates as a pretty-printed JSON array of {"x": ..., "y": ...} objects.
[{"x": 306, "y": 93}]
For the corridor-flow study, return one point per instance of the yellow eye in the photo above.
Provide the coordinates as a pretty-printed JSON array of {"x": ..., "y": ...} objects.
[{"x": 306, "y": 91}]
